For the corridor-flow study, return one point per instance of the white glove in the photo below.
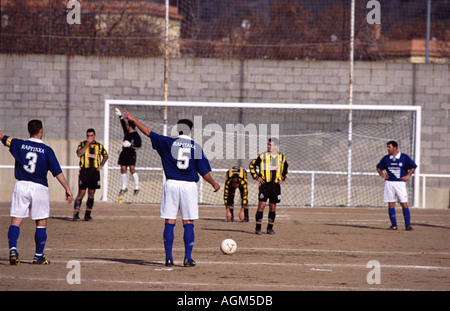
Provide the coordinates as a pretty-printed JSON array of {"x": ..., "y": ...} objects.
[
  {"x": 118, "y": 113},
  {"x": 126, "y": 144}
]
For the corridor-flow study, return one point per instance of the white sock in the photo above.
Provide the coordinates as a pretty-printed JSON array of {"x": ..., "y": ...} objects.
[
  {"x": 136, "y": 181},
  {"x": 124, "y": 180}
]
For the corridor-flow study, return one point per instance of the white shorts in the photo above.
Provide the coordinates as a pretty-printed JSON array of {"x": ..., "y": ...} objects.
[
  {"x": 179, "y": 195},
  {"x": 28, "y": 196},
  {"x": 394, "y": 189}
]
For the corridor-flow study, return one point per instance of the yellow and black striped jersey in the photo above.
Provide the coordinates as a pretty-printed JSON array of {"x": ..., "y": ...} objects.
[
  {"x": 241, "y": 174},
  {"x": 93, "y": 155},
  {"x": 237, "y": 171},
  {"x": 270, "y": 167}
]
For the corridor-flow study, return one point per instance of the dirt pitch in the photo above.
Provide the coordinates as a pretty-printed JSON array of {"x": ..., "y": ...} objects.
[{"x": 314, "y": 249}]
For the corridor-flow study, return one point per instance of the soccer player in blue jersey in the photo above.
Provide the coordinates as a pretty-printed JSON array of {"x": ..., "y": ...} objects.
[
  {"x": 396, "y": 168},
  {"x": 33, "y": 160},
  {"x": 182, "y": 160}
]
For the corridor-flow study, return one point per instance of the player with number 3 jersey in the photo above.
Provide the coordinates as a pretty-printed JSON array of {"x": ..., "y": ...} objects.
[
  {"x": 33, "y": 160},
  {"x": 182, "y": 160}
]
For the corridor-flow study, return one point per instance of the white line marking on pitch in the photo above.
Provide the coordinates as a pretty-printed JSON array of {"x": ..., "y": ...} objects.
[
  {"x": 234, "y": 285},
  {"x": 241, "y": 249},
  {"x": 335, "y": 265}
]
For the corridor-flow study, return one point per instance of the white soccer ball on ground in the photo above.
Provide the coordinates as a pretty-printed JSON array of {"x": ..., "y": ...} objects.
[{"x": 228, "y": 246}]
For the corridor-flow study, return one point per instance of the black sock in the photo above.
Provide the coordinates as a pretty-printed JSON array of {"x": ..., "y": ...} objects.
[
  {"x": 259, "y": 219},
  {"x": 89, "y": 207},
  {"x": 271, "y": 220},
  {"x": 77, "y": 206}
]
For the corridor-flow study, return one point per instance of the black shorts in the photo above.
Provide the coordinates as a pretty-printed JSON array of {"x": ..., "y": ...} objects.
[
  {"x": 127, "y": 157},
  {"x": 89, "y": 178},
  {"x": 270, "y": 191}
]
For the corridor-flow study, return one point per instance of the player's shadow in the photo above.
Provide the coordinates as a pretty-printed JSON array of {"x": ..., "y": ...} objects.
[
  {"x": 430, "y": 225},
  {"x": 130, "y": 261},
  {"x": 214, "y": 219},
  {"x": 62, "y": 218},
  {"x": 356, "y": 226},
  {"x": 228, "y": 230}
]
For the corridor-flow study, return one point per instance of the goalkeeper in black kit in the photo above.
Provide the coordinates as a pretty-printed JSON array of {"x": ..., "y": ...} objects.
[{"x": 127, "y": 158}]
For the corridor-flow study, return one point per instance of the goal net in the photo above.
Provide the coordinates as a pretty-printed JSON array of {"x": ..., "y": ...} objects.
[{"x": 332, "y": 150}]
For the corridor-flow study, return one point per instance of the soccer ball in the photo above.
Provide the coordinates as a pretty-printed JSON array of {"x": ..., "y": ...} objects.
[{"x": 228, "y": 246}]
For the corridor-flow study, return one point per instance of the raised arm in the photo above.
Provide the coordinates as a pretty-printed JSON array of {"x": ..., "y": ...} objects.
[{"x": 145, "y": 130}]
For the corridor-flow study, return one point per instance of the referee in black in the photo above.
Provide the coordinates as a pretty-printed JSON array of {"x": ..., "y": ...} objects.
[{"x": 270, "y": 170}]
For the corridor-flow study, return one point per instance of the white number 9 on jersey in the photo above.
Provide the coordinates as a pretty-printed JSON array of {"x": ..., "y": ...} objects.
[{"x": 183, "y": 158}]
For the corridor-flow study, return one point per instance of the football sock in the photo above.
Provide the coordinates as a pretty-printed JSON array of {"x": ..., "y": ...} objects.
[
  {"x": 406, "y": 216},
  {"x": 232, "y": 212},
  {"x": 136, "y": 181},
  {"x": 271, "y": 220},
  {"x": 246, "y": 211},
  {"x": 76, "y": 206},
  {"x": 13, "y": 236},
  {"x": 89, "y": 207},
  {"x": 168, "y": 236},
  {"x": 392, "y": 216},
  {"x": 189, "y": 237},
  {"x": 259, "y": 219},
  {"x": 40, "y": 237},
  {"x": 124, "y": 180}
]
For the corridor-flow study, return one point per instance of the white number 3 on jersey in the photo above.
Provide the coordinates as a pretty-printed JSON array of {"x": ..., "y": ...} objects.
[
  {"x": 183, "y": 158},
  {"x": 32, "y": 159}
]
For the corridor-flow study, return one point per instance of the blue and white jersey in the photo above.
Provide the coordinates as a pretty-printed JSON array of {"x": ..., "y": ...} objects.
[
  {"x": 397, "y": 166},
  {"x": 182, "y": 158},
  {"x": 33, "y": 159}
]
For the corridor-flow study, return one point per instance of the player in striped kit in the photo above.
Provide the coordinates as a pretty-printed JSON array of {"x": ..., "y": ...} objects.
[
  {"x": 92, "y": 156},
  {"x": 396, "y": 168},
  {"x": 182, "y": 160},
  {"x": 236, "y": 177},
  {"x": 270, "y": 170},
  {"x": 33, "y": 160}
]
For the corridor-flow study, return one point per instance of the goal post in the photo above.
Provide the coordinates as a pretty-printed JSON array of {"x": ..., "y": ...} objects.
[{"x": 314, "y": 138}]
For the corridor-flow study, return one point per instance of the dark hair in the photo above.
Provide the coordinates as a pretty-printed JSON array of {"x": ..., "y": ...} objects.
[
  {"x": 183, "y": 125},
  {"x": 393, "y": 143},
  {"x": 131, "y": 124},
  {"x": 34, "y": 126},
  {"x": 275, "y": 141},
  {"x": 90, "y": 131}
]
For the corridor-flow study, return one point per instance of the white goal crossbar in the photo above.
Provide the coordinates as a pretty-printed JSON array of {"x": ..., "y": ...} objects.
[{"x": 349, "y": 108}]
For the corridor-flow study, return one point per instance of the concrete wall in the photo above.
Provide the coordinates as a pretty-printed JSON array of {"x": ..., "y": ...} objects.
[{"x": 68, "y": 93}]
